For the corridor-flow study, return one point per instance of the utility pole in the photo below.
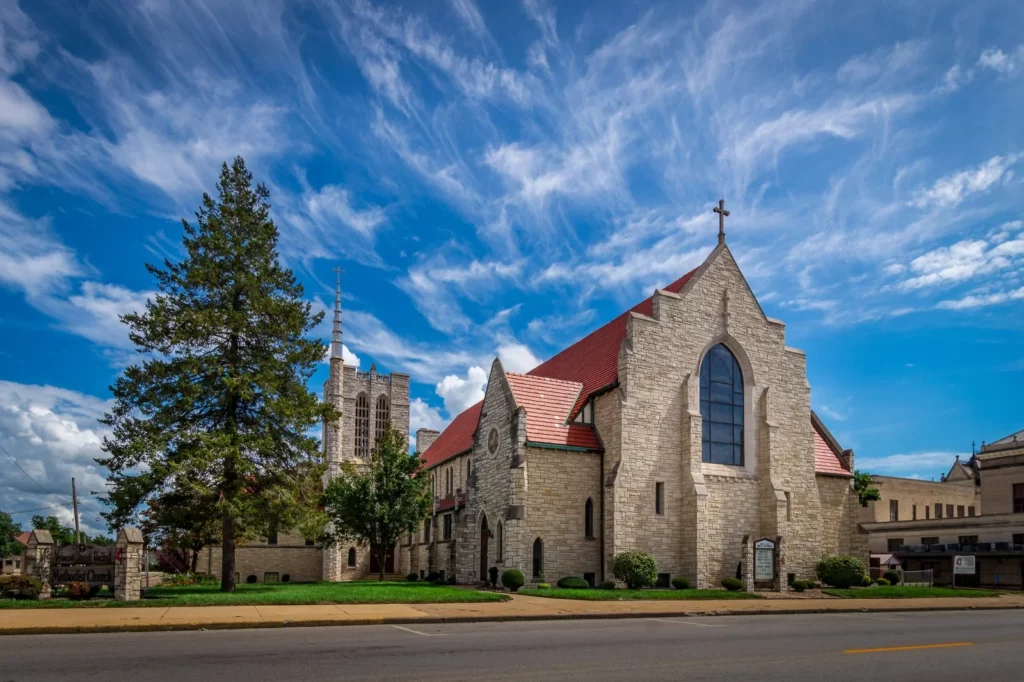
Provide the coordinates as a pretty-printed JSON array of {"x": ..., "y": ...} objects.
[{"x": 74, "y": 503}]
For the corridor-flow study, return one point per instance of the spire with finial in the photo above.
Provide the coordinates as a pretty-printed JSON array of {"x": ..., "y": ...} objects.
[
  {"x": 722, "y": 213},
  {"x": 336, "y": 332}
]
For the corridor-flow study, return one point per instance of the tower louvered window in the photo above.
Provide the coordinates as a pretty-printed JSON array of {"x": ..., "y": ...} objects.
[
  {"x": 383, "y": 416},
  {"x": 362, "y": 439}
]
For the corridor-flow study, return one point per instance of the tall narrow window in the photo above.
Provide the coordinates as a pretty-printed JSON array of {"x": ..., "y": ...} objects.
[
  {"x": 426, "y": 530},
  {"x": 659, "y": 498},
  {"x": 588, "y": 519},
  {"x": 913, "y": 512},
  {"x": 894, "y": 510},
  {"x": 721, "y": 407},
  {"x": 447, "y": 526},
  {"x": 960, "y": 510},
  {"x": 949, "y": 511},
  {"x": 351, "y": 557},
  {"x": 382, "y": 417},
  {"x": 1018, "y": 498},
  {"x": 362, "y": 439},
  {"x": 970, "y": 511},
  {"x": 501, "y": 541},
  {"x": 538, "y": 558},
  {"x": 938, "y": 510}
]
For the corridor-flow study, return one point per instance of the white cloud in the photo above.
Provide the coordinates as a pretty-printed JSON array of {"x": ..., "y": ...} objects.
[
  {"x": 981, "y": 300},
  {"x": 32, "y": 258},
  {"x": 54, "y": 435},
  {"x": 516, "y": 357},
  {"x": 460, "y": 393},
  {"x": 1001, "y": 62},
  {"x": 423, "y": 415},
  {"x": 951, "y": 190},
  {"x": 347, "y": 357},
  {"x": 469, "y": 13},
  {"x": 904, "y": 464},
  {"x": 435, "y": 287}
]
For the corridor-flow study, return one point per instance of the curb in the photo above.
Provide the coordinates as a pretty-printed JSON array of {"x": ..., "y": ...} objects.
[{"x": 260, "y": 625}]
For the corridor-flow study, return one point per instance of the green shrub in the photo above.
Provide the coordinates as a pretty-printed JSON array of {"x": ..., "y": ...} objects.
[
  {"x": 892, "y": 576},
  {"x": 512, "y": 579},
  {"x": 543, "y": 586},
  {"x": 841, "y": 571},
  {"x": 680, "y": 583},
  {"x": 732, "y": 584},
  {"x": 492, "y": 575},
  {"x": 190, "y": 580},
  {"x": 882, "y": 581},
  {"x": 636, "y": 569},
  {"x": 865, "y": 581},
  {"x": 433, "y": 577},
  {"x": 412, "y": 577},
  {"x": 19, "y": 587},
  {"x": 607, "y": 585},
  {"x": 573, "y": 582},
  {"x": 799, "y": 585},
  {"x": 78, "y": 591}
]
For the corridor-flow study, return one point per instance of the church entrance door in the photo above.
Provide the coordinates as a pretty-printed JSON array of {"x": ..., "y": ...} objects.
[
  {"x": 389, "y": 563},
  {"x": 484, "y": 535}
]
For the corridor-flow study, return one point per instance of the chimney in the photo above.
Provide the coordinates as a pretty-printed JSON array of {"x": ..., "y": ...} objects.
[{"x": 425, "y": 438}]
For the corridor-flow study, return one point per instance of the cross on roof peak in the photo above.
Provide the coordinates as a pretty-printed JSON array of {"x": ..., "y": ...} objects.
[{"x": 722, "y": 213}]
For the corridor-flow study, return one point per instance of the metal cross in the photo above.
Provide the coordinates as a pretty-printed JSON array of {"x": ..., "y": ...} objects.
[
  {"x": 339, "y": 271},
  {"x": 722, "y": 213}
]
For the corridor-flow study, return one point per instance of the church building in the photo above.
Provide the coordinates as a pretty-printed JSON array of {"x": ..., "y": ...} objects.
[{"x": 682, "y": 428}]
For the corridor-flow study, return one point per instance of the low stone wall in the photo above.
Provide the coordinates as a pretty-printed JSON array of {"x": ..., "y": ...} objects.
[{"x": 300, "y": 564}]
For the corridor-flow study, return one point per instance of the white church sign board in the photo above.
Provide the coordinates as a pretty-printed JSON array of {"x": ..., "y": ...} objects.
[
  {"x": 963, "y": 565},
  {"x": 764, "y": 560}
]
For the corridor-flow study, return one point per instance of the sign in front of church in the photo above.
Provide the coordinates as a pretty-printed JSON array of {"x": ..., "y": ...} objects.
[
  {"x": 764, "y": 560},
  {"x": 83, "y": 563}
]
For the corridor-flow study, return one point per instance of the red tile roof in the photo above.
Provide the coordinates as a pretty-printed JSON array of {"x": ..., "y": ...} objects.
[
  {"x": 456, "y": 438},
  {"x": 548, "y": 403},
  {"x": 594, "y": 360},
  {"x": 826, "y": 459},
  {"x": 23, "y": 537}
]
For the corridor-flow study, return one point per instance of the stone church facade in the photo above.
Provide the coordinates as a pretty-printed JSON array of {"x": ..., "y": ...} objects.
[{"x": 682, "y": 428}]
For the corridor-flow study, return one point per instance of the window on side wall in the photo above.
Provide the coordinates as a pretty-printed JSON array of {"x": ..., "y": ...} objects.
[
  {"x": 938, "y": 510},
  {"x": 949, "y": 511},
  {"x": 894, "y": 544},
  {"x": 447, "y": 526},
  {"x": 960, "y": 511},
  {"x": 970, "y": 511},
  {"x": 1018, "y": 498},
  {"x": 894, "y": 510},
  {"x": 659, "y": 498},
  {"x": 1018, "y": 538},
  {"x": 930, "y": 540},
  {"x": 426, "y": 531}
]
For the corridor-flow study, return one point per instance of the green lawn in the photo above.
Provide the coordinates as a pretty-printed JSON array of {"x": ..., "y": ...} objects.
[
  {"x": 900, "y": 592},
  {"x": 282, "y": 593},
  {"x": 616, "y": 595}
]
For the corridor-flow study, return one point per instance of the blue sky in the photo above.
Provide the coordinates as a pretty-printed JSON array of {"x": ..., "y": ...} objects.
[{"x": 500, "y": 178}]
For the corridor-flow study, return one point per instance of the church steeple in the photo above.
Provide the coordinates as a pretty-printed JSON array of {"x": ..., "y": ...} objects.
[{"x": 336, "y": 333}]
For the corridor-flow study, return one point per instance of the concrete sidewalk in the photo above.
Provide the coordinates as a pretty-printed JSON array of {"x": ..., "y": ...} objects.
[{"x": 46, "y": 621}]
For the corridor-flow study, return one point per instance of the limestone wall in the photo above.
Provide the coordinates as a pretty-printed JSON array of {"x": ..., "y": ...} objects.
[{"x": 923, "y": 495}]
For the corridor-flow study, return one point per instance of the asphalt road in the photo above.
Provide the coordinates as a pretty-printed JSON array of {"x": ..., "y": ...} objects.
[{"x": 971, "y": 645}]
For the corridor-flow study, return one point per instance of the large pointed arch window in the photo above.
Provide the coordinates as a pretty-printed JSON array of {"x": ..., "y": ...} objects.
[
  {"x": 381, "y": 418},
  {"x": 362, "y": 427},
  {"x": 721, "y": 407}
]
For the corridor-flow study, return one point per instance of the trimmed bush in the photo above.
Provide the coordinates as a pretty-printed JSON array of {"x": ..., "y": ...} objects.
[
  {"x": 492, "y": 575},
  {"x": 189, "y": 580},
  {"x": 801, "y": 585},
  {"x": 841, "y": 571},
  {"x": 573, "y": 582},
  {"x": 892, "y": 576},
  {"x": 882, "y": 581},
  {"x": 636, "y": 569},
  {"x": 607, "y": 585},
  {"x": 866, "y": 581},
  {"x": 543, "y": 586},
  {"x": 680, "y": 583},
  {"x": 732, "y": 584},
  {"x": 512, "y": 579},
  {"x": 78, "y": 591},
  {"x": 19, "y": 587},
  {"x": 412, "y": 577}
]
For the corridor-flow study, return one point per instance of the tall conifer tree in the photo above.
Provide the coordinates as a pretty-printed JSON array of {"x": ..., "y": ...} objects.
[{"x": 221, "y": 405}]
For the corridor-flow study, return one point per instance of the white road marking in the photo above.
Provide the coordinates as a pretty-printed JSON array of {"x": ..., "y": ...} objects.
[
  {"x": 417, "y": 632},
  {"x": 687, "y": 622}
]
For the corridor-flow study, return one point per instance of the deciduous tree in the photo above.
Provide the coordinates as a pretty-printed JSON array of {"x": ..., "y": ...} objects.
[
  {"x": 8, "y": 529},
  {"x": 862, "y": 485}
]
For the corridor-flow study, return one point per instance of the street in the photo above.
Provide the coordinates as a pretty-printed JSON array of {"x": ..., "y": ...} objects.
[{"x": 933, "y": 645}]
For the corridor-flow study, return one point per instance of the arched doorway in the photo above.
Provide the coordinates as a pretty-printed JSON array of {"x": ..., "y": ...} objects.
[{"x": 484, "y": 535}]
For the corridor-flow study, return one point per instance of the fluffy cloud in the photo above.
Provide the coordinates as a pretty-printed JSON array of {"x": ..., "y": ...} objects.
[
  {"x": 516, "y": 357},
  {"x": 459, "y": 393},
  {"x": 423, "y": 415},
  {"x": 951, "y": 190}
]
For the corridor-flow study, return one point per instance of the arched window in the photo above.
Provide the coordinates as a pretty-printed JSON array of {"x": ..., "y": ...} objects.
[
  {"x": 538, "y": 558},
  {"x": 501, "y": 542},
  {"x": 721, "y": 407},
  {"x": 362, "y": 440},
  {"x": 351, "y": 557},
  {"x": 382, "y": 417},
  {"x": 588, "y": 519}
]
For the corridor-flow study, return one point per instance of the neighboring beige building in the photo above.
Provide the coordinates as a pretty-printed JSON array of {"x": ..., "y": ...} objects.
[
  {"x": 15, "y": 565},
  {"x": 682, "y": 428},
  {"x": 995, "y": 537},
  {"x": 908, "y": 499}
]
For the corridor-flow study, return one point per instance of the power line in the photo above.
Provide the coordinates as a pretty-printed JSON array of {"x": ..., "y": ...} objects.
[{"x": 49, "y": 506}]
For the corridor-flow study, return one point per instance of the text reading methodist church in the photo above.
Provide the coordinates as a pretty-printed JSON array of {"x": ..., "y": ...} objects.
[{"x": 682, "y": 428}]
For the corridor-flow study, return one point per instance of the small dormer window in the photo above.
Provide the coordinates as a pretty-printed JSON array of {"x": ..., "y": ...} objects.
[{"x": 585, "y": 415}]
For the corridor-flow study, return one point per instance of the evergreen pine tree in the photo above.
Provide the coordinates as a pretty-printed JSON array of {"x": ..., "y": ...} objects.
[{"x": 220, "y": 406}]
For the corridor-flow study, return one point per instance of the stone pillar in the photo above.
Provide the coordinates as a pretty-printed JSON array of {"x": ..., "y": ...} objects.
[
  {"x": 748, "y": 563},
  {"x": 38, "y": 556},
  {"x": 127, "y": 576}
]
